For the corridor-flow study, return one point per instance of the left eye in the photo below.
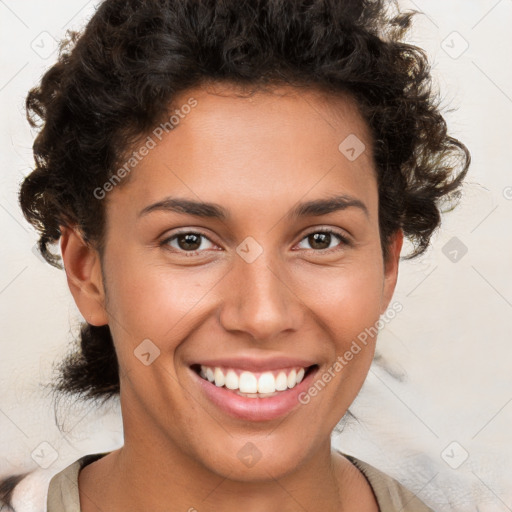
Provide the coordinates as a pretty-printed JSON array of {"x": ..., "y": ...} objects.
[{"x": 321, "y": 240}]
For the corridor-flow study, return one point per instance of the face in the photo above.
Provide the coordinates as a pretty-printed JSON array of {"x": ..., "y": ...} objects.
[{"x": 270, "y": 283}]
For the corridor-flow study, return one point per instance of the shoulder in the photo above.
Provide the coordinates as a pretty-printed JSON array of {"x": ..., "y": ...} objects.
[
  {"x": 63, "y": 494},
  {"x": 390, "y": 494}
]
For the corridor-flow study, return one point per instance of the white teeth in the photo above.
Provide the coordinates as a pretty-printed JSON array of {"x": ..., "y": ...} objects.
[
  {"x": 247, "y": 383},
  {"x": 281, "y": 382},
  {"x": 292, "y": 379},
  {"x": 231, "y": 380},
  {"x": 219, "y": 377},
  {"x": 252, "y": 385},
  {"x": 266, "y": 383}
]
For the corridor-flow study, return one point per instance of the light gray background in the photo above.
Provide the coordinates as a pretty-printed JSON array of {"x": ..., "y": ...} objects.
[{"x": 444, "y": 428}]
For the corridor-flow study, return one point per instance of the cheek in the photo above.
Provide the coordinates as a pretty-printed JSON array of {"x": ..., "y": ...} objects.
[
  {"x": 347, "y": 304},
  {"x": 155, "y": 302},
  {"x": 347, "y": 299}
]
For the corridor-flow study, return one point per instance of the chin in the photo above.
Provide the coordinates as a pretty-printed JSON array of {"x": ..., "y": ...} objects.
[{"x": 258, "y": 460}]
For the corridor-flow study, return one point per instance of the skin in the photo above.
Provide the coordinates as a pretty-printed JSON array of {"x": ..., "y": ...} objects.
[{"x": 256, "y": 156}]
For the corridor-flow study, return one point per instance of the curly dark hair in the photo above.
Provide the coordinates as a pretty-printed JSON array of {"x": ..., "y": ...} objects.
[
  {"x": 120, "y": 77},
  {"x": 118, "y": 80}
]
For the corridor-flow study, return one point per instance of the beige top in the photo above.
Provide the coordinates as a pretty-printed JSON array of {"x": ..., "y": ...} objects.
[{"x": 391, "y": 496}]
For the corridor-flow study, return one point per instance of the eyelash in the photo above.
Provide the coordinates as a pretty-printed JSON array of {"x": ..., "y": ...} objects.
[{"x": 343, "y": 239}]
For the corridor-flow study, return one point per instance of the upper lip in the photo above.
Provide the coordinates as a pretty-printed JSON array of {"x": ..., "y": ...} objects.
[{"x": 257, "y": 364}]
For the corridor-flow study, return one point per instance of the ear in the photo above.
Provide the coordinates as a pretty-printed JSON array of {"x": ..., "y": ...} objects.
[
  {"x": 391, "y": 268},
  {"x": 83, "y": 271}
]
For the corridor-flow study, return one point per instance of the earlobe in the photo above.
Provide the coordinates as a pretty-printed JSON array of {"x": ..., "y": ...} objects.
[
  {"x": 391, "y": 268},
  {"x": 82, "y": 265}
]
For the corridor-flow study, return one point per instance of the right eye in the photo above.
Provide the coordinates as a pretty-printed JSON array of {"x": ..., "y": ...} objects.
[{"x": 190, "y": 243}]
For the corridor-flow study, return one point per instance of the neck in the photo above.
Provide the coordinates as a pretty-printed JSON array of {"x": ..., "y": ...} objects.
[
  {"x": 144, "y": 477},
  {"x": 152, "y": 469}
]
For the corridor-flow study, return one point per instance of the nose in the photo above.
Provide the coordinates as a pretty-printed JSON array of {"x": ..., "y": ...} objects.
[{"x": 260, "y": 299}]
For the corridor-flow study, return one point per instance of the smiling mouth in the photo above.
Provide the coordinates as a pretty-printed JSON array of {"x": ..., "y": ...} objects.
[{"x": 254, "y": 384}]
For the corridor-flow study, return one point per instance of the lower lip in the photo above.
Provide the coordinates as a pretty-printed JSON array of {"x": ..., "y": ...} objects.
[{"x": 255, "y": 409}]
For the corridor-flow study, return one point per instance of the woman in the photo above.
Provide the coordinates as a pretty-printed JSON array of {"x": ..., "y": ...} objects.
[{"x": 230, "y": 183}]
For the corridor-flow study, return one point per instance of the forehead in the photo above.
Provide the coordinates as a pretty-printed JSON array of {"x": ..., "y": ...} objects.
[
  {"x": 256, "y": 146},
  {"x": 274, "y": 113}
]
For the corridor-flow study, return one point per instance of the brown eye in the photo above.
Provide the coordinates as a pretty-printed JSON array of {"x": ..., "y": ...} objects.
[
  {"x": 323, "y": 240},
  {"x": 319, "y": 240},
  {"x": 187, "y": 242}
]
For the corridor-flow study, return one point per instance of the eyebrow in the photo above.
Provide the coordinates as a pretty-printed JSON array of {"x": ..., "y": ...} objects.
[{"x": 313, "y": 208}]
